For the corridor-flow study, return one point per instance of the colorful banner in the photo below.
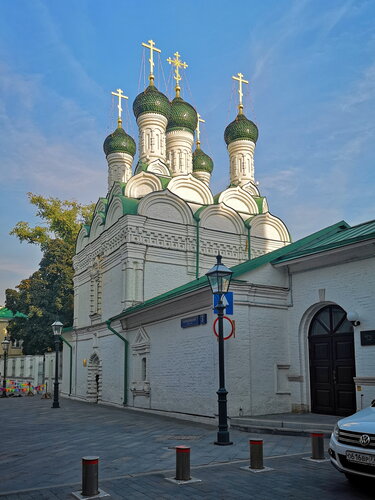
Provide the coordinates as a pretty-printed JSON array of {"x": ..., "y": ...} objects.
[{"x": 19, "y": 387}]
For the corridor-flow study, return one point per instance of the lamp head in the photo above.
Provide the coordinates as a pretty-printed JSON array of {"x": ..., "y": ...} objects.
[
  {"x": 57, "y": 327},
  {"x": 219, "y": 277},
  {"x": 353, "y": 317},
  {"x": 5, "y": 345}
]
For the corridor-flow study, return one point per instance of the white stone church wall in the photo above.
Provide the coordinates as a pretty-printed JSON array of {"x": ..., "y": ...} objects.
[
  {"x": 180, "y": 369},
  {"x": 112, "y": 289},
  {"x": 82, "y": 300},
  {"x": 269, "y": 360},
  {"x": 84, "y": 349},
  {"x": 111, "y": 354},
  {"x": 183, "y": 363},
  {"x": 160, "y": 277},
  {"x": 351, "y": 286}
]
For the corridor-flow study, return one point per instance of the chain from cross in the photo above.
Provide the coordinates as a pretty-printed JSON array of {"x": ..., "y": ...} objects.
[
  {"x": 153, "y": 49},
  {"x": 177, "y": 63},
  {"x": 198, "y": 129},
  {"x": 240, "y": 80},
  {"x": 120, "y": 95}
]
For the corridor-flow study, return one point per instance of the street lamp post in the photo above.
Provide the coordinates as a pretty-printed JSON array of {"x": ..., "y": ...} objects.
[
  {"x": 5, "y": 344},
  {"x": 57, "y": 327},
  {"x": 219, "y": 277}
]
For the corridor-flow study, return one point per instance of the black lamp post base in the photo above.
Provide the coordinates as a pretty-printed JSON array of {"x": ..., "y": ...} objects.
[
  {"x": 223, "y": 439},
  {"x": 223, "y": 444},
  {"x": 55, "y": 405}
]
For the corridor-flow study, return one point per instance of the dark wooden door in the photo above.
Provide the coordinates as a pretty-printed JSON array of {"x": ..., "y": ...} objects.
[{"x": 332, "y": 365}]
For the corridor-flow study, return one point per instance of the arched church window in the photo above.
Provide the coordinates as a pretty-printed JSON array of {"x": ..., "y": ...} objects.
[
  {"x": 329, "y": 321},
  {"x": 140, "y": 385},
  {"x": 144, "y": 369},
  {"x": 243, "y": 165}
]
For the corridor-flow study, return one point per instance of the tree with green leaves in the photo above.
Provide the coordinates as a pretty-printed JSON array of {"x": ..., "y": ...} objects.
[{"x": 48, "y": 292}]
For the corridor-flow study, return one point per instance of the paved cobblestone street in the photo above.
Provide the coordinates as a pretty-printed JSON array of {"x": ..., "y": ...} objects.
[{"x": 41, "y": 450}]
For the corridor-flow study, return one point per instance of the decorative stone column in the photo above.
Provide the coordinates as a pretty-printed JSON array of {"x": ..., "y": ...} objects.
[
  {"x": 152, "y": 137},
  {"x": 119, "y": 168},
  {"x": 179, "y": 152},
  {"x": 241, "y": 154}
]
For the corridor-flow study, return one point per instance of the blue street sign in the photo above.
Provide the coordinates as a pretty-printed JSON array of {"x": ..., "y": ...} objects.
[
  {"x": 228, "y": 302},
  {"x": 200, "y": 319}
]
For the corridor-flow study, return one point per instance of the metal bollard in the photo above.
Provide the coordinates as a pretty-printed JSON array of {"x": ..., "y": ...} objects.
[
  {"x": 90, "y": 467},
  {"x": 256, "y": 454},
  {"x": 182, "y": 463},
  {"x": 317, "y": 445}
]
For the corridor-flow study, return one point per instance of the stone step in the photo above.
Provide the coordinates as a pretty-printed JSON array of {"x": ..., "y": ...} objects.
[{"x": 291, "y": 428}]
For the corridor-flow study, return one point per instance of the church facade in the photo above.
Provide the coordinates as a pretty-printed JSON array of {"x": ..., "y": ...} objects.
[{"x": 140, "y": 271}]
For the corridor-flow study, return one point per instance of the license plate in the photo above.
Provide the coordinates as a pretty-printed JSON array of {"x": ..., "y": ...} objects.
[{"x": 360, "y": 458}]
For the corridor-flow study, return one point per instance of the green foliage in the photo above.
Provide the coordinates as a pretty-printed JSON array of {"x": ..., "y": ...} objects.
[
  {"x": 48, "y": 292},
  {"x": 63, "y": 220}
]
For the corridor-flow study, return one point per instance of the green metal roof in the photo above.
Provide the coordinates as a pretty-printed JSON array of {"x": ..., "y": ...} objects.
[
  {"x": 241, "y": 128},
  {"x": 165, "y": 181},
  {"x": 259, "y": 201},
  {"x": 119, "y": 142},
  {"x": 237, "y": 270},
  {"x": 6, "y": 313},
  {"x": 151, "y": 100},
  {"x": 346, "y": 236}
]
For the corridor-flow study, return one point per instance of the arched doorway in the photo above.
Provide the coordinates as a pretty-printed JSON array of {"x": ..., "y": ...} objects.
[
  {"x": 94, "y": 379},
  {"x": 332, "y": 364}
]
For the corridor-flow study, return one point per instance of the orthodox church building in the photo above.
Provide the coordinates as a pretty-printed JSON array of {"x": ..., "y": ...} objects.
[{"x": 140, "y": 277}]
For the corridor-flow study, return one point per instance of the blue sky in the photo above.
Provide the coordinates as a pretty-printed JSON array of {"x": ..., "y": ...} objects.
[{"x": 311, "y": 67}]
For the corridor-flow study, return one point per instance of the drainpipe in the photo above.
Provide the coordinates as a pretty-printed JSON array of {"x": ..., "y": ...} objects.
[
  {"x": 197, "y": 248},
  {"x": 71, "y": 363},
  {"x": 126, "y": 350},
  {"x": 247, "y": 224}
]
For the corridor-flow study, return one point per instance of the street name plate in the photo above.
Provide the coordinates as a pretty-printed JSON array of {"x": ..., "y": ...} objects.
[{"x": 200, "y": 319}]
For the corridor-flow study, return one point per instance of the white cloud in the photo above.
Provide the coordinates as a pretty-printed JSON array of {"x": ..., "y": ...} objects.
[
  {"x": 363, "y": 91},
  {"x": 59, "y": 161},
  {"x": 285, "y": 181}
]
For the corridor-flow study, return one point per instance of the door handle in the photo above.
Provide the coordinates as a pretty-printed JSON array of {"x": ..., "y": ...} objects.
[{"x": 334, "y": 375}]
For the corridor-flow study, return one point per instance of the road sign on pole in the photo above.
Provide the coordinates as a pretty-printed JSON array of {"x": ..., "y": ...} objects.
[{"x": 227, "y": 301}]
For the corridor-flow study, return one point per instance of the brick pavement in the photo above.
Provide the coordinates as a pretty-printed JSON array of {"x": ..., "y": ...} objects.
[{"x": 41, "y": 450}]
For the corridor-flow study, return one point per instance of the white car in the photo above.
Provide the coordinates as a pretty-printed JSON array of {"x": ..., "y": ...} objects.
[{"x": 352, "y": 445}]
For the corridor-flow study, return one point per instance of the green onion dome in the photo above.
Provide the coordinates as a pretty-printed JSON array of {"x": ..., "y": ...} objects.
[
  {"x": 151, "y": 101},
  {"x": 119, "y": 142},
  {"x": 241, "y": 128},
  {"x": 202, "y": 162},
  {"x": 183, "y": 116}
]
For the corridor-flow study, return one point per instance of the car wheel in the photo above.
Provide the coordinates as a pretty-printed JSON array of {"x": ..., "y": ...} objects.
[{"x": 352, "y": 478}]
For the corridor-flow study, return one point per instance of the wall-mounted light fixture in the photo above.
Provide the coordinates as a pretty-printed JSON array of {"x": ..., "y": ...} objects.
[{"x": 353, "y": 318}]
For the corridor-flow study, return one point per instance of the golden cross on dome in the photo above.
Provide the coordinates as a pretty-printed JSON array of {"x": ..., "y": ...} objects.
[
  {"x": 120, "y": 95},
  {"x": 198, "y": 130},
  {"x": 153, "y": 49},
  {"x": 240, "y": 80},
  {"x": 177, "y": 63}
]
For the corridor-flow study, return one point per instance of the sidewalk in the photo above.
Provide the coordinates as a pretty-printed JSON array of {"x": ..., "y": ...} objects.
[
  {"x": 291, "y": 424},
  {"x": 41, "y": 451}
]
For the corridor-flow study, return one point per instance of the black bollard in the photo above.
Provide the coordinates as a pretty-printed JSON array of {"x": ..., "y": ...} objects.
[
  {"x": 317, "y": 445},
  {"x": 256, "y": 454},
  {"x": 182, "y": 463},
  {"x": 90, "y": 467}
]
